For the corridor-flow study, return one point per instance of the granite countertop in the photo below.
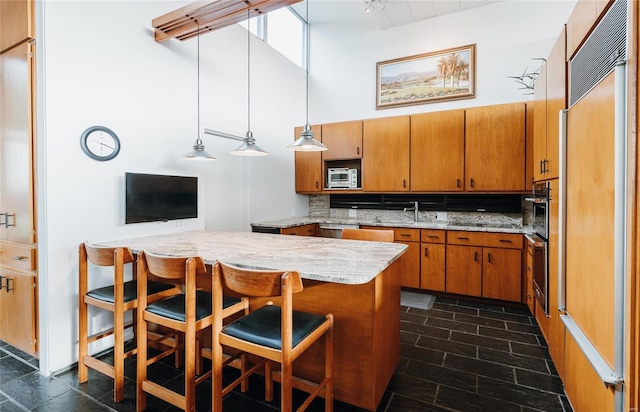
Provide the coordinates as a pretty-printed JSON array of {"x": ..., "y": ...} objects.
[
  {"x": 472, "y": 227},
  {"x": 323, "y": 259}
]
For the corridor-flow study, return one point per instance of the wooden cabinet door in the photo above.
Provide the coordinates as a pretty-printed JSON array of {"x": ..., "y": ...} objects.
[
  {"x": 385, "y": 166},
  {"x": 528, "y": 279},
  {"x": 344, "y": 140},
  {"x": 495, "y": 148},
  {"x": 304, "y": 230},
  {"x": 437, "y": 151},
  {"x": 540, "y": 124},
  {"x": 308, "y": 166},
  {"x": 502, "y": 274},
  {"x": 582, "y": 18},
  {"x": 464, "y": 270},
  {"x": 556, "y": 101},
  {"x": 410, "y": 265},
  {"x": 18, "y": 324},
  {"x": 16, "y": 22},
  {"x": 432, "y": 267},
  {"x": 17, "y": 190}
]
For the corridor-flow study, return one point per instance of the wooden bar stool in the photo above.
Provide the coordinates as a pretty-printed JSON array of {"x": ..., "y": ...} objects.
[
  {"x": 188, "y": 313},
  {"x": 278, "y": 335},
  {"x": 118, "y": 298}
]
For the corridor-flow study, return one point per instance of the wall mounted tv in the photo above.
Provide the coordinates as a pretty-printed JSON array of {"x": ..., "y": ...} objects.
[{"x": 152, "y": 198}]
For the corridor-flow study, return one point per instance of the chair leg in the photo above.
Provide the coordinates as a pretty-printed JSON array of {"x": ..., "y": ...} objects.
[
  {"x": 268, "y": 381},
  {"x": 190, "y": 370},
  {"x": 328, "y": 369},
  {"x": 83, "y": 350},
  {"x": 118, "y": 361},
  {"x": 286, "y": 386},
  {"x": 141, "y": 396}
]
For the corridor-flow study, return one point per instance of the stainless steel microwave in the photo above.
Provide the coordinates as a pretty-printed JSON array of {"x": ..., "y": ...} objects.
[{"x": 342, "y": 178}]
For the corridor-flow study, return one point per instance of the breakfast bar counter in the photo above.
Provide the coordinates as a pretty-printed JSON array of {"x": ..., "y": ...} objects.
[{"x": 357, "y": 281}]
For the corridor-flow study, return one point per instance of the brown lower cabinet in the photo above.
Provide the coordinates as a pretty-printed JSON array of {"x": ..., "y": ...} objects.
[
  {"x": 479, "y": 264},
  {"x": 304, "y": 230},
  {"x": 482, "y": 264}
]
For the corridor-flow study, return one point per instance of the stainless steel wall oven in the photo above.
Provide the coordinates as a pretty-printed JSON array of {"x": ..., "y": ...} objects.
[{"x": 540, "y": 199}]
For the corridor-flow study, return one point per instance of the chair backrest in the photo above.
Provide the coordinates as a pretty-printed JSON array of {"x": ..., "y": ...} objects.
[
  {"x": 104, "y": 256},
  {"x": 171, "y": 267},
  {"x": 259, "y": 283},
  {"x": 379, "y": 235}
]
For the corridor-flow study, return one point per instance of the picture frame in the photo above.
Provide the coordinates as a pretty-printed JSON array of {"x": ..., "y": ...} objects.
[{"x": 438, "y": 76}]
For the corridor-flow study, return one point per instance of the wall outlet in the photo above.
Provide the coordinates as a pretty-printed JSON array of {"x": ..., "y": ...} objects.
[
  {"x": 293, "y": 212},
  {"x": 441, "y": 215},
  {"x": 352, "y": 213}
]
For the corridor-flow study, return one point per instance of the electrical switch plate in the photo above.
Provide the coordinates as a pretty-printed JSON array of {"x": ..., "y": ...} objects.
[{"x": 352, "y": 212}]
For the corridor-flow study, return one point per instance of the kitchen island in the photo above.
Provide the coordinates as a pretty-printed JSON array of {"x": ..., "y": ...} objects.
[{"x": 357, "y": 281}]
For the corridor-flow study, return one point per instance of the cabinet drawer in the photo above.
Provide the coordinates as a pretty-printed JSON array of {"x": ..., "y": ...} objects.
[
  {"x": 18, "y": 255},
  {"x": 406, "y": 235},
  {"x": 501, "y": 240},
  {"x": 433, "y": 236},
  {"x": 304, "y": 230}
]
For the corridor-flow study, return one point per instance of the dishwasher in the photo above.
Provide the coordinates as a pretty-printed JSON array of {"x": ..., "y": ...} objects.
[{"x": 333, "y": 229}]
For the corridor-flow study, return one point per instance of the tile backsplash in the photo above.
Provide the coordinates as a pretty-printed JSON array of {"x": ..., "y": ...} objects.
[{"x": 319, "y": 207}]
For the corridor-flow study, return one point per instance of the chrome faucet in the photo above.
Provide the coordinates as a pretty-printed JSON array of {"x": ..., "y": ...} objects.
[{"x": 415, "y": 210}]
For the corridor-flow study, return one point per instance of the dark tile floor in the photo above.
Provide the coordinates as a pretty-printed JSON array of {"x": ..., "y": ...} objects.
[{"x": 458, "y": 356}]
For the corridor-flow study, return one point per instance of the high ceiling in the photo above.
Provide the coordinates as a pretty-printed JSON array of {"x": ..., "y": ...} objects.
[{"x": 395, "y": 13}]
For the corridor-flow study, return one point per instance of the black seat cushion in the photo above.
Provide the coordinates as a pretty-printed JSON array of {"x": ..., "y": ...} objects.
[
  {"x": 173, "y": 307},
  {"x": 263, "y": 326},
  {"x": 130, "y": 291}
]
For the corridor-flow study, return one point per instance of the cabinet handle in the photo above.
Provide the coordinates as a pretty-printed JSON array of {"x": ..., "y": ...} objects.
[
  {"x": 317, "y": 185},
  {"x": 505, "y": 241},
  {"x": 475, "y": 256},
  {"x": 404, "y": 183},
  {"x": 426, "y": 252},
  {"x": 472, "y": 183},
  {"x": 19, "y": 258},
  {"x": 489, "y": 257},
  {"x": 6, "y": 285},
  {"x": 541, "y": 167},
  {"x": 1, "y": 278},
  {"x": 358, "y": 150},
  {"x": 405, "y": 234},
  {"x": 433, "y": 236},
  {"x": 463, "y": 238},
  {"x": 457, "y": 182}
]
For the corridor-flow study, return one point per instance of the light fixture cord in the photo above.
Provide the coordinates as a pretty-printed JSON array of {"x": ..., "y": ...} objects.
[
  {"x": 248, "y": 70},
  {"x": 198, "y": 64},
  {"x": 308, "y": 58}
]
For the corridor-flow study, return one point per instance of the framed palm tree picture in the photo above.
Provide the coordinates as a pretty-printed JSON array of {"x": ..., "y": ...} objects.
[{"x": 425, "y": 78}]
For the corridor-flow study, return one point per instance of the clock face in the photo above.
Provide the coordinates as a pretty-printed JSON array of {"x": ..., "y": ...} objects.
[{"x": 100, "y": 143}]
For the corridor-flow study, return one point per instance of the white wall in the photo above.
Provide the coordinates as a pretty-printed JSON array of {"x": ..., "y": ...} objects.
[
  {"x": 508, "y": 35},
  {"x": 99, "y": 65}
]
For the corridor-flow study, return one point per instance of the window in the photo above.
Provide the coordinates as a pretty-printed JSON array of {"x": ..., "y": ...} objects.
[{"x": 283, "y": 30}]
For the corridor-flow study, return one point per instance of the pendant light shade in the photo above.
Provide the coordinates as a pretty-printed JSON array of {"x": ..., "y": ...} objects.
[
  {"x": 307, "y": 141},
  {"x": 198, "y": 152},
  {"x": 249, "y": 147}
]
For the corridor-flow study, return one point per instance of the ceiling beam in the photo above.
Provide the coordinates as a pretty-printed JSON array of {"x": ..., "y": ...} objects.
[{"x": 183, "y": 23}]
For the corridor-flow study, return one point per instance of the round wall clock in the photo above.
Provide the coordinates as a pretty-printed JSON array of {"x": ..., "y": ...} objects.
[{"x": 100, "y": 143}]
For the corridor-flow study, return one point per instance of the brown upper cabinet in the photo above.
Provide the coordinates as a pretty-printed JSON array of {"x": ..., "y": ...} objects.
[
  {"x": 16, "y": 22},
  {"x": 550, "y": 97},
  {"x": 437, "y": 151},
  {"x": 582, "y": 19},
  {"x": 344, "y": 140},
  {"x": 495, "y": 148},
  {"x": 385, "y": 168},
  {"x": 309, "y": 165}
]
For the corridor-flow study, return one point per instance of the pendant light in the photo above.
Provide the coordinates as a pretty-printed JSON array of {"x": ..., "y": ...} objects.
[
  {"x": 198, "y": 152},
  {"x": 307, "y": 142},
  {"x": 249, "y": 146}
]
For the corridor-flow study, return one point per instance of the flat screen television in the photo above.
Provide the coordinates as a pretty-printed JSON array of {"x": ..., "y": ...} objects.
[{"x": 152, "y": 198}]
